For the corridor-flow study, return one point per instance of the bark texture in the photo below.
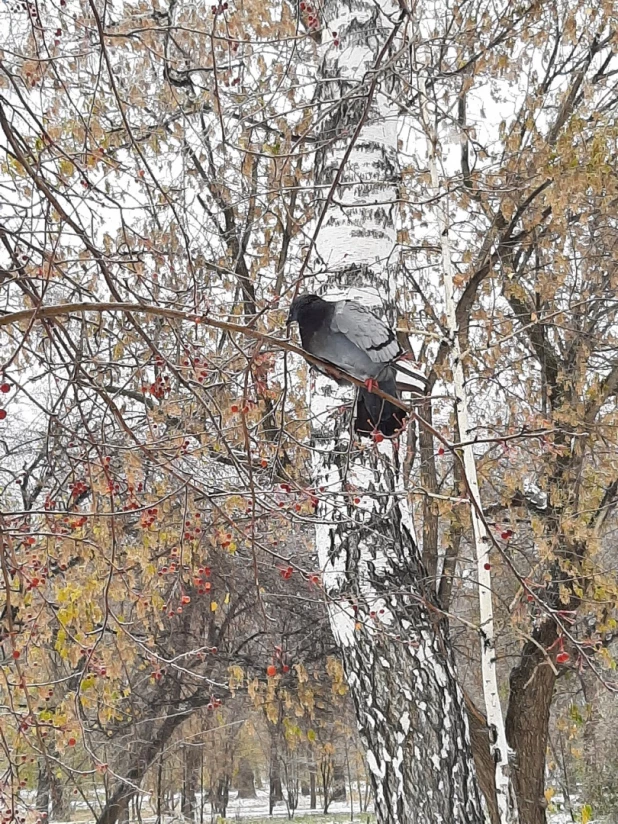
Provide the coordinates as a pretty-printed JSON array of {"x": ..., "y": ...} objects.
[
  {"x": 393, "y": 640},
  {"x": 245, "y": 780},
  {"x": 527, "y": 722}
]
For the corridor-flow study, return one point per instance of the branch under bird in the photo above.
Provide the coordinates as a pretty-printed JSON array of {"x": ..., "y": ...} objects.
[{"x": 349, "y": 336}]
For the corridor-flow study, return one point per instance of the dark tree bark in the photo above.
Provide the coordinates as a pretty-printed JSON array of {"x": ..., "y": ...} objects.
[
  {"x": 313, "y": 801},
  {"x": 220, "y": 795},
  {"x": 143, "y": 756},
  {"x": 483, "y": 761},
  {"x": 338, "y": 790},
  {"x": 245, "y": 780},
  {"x": 60, "y": 804},
  {"x": 527, "y": 721},
  {"x": 190, "y": 780},
  {"x": 275, "y": 793},
  {"x": 43, "y": 788}
]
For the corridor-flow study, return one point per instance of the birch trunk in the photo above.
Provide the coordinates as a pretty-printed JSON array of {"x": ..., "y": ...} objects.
[
  {"x": 505, "y": 794},
  {"x": 393, "y": 641}
]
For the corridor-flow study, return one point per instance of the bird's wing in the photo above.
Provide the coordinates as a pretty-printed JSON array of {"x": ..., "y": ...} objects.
[{"x": 365, "y": 330}]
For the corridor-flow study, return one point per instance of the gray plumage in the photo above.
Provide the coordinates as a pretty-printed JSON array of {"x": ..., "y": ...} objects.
[{"x": 349, "y": 336}]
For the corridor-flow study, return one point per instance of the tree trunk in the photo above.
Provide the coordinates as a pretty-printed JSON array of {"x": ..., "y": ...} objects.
[
  {"x": 338, "y": 792},
  {"x": 220, "y": 795},
  {"x": 190, "y": 776},
  {"x": 527, "y": 720},
  {"x": 483, "y": 760},
  {"x": 313, "y": 801},
  {"x": 383, "y": 612},
  {"x": 60, "y": 804},
  {"x": 43, "y": 788},
  {"x": 142, "y": 759},
  {"x": 246, "y": 780},
  {"x": 275, "y": 793}
]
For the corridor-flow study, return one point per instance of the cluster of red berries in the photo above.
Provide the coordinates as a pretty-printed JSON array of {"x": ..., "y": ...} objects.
[
  {"x": 199, "y": 580},
  {"x": 198, "y": 365},
  {"x": 193, "y": 527},
  {"x": 149, "y": 517},
  {"x": 158, "y": 388},
  {"x": 133, "y": 504},
  {"x": 278, "y": 662},
  {"x": 226, "y": 540},
  {"x": 78, "y": 488},
  {"x": 213, "y": 703},
  {"x": 219, "y": 9},
  {"x": 311, "y": 14}
]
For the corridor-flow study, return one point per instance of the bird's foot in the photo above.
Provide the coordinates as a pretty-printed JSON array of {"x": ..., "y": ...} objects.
[{"x": 371, "y": 385}]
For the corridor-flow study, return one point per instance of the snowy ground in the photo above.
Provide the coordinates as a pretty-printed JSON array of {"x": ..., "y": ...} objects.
[{"x": 254, "y": 810}]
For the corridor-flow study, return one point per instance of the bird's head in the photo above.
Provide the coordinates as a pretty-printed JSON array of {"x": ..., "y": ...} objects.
[{"x": 302, "y": 305}]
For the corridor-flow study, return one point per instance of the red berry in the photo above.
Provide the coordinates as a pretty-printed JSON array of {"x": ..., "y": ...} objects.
[
  {"x": 487, "y": 566},
  {"x": 285, "y": 668},
  {"x": 16, "y": 654},
  {"x": 2, "y": 414},
  {"x": 5, "y": 387},
  {"x": 271, "y": 671},
  {"x": 562, "y": 657},
  {"x": 71, "y": 742},
  {"x": 441, "y": 451}
]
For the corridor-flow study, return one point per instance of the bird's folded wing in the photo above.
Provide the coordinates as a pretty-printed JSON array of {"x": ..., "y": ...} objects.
[{"x": 365, "y": 330}]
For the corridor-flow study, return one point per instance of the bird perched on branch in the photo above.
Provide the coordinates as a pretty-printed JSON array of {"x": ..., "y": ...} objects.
[{"x": 349, "y": 336}]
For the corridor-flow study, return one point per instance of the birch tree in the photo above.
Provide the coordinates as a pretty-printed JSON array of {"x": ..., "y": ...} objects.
[{"x": 392, "y": 639}]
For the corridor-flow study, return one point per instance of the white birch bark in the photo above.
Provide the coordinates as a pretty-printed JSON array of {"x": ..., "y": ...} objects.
[
  {"x": 393, "y": 640},
  {"x": 507, "y": 804}
]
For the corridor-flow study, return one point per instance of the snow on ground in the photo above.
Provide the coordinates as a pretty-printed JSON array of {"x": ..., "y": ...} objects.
[{"x": 244, "y": 809}]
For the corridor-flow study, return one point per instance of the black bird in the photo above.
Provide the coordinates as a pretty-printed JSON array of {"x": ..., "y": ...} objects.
[{"x": 349, "y": 335}]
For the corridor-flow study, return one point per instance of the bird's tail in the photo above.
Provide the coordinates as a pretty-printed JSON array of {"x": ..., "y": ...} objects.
[{"x": 373, "y": 413}]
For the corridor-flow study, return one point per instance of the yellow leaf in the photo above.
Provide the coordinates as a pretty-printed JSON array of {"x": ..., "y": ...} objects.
[
  {"x": 66, "y": 167},
  {"x": 214, "y": 606}
]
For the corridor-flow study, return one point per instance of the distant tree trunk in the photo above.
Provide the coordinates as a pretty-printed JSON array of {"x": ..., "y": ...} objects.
[
  {"x": 275, "y": 794},
  {"x": 246, "y": 779},
  {"x": 42, "y": 792},
  {"x": 60, "y": 804},
  {"x": 532, "y": 685},
  {"x": 143, "y": 757},
  {"x": 159, "y": 790},
  {"x": 338, "y": 791},
  {"x": 383, "y": 611},
  {"x": 190, "y": 776},
  {"x": 220, "y": 795},
  {"x": 313, "y": 801}
]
